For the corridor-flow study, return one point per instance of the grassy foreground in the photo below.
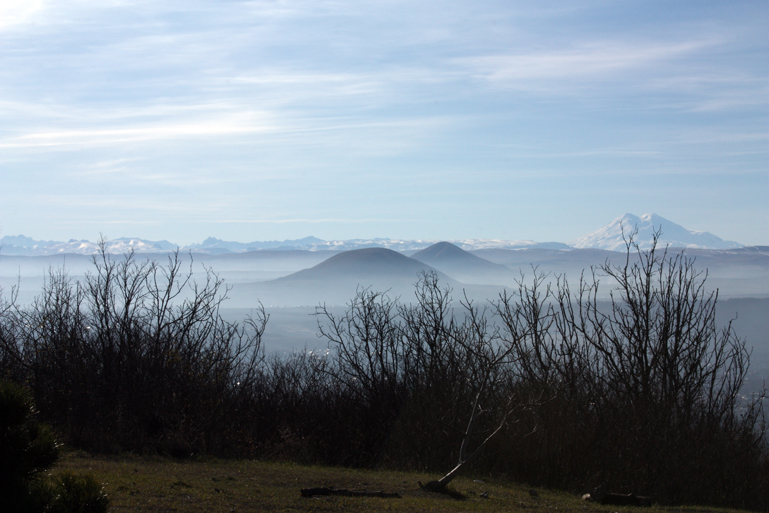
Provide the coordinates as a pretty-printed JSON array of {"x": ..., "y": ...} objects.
[{"x": 161, "y": 484}]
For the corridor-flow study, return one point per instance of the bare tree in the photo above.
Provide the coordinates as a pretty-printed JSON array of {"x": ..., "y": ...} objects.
[
  {"x": 481, "y": 351},
  {"x": 634, "y": 382},
  {"x": 389, "y": 353}
]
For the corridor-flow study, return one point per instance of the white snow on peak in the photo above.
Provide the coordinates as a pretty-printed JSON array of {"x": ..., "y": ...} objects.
[
  {"x": 610, "y": 237},
  {"x": 21, "y": 245}
]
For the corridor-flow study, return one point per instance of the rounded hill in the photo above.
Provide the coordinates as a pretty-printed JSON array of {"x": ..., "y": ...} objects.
[
  {"x": 365, "y": 264},
  {"x": 463, "y": 265}
]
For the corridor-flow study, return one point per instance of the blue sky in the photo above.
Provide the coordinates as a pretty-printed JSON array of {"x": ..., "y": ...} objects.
[{"x": 261, "y": 120}]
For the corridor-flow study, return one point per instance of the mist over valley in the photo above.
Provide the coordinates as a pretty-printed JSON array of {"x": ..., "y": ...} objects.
[{"x": 292, "y": 282}]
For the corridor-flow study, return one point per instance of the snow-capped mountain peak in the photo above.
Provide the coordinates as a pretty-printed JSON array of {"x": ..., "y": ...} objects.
[{"x": 610, "y": 237}]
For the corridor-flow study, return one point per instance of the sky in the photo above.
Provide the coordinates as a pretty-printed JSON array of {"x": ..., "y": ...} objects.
[{"x": 273, "y": 120}]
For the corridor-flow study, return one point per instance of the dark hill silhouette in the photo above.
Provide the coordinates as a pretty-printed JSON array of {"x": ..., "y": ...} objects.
[
  {"x": 463, "y": 265},
  {"x": 335, "y": 281},
  {"x": 446, "y": 253},
  {"x": 362, "y": 265}
]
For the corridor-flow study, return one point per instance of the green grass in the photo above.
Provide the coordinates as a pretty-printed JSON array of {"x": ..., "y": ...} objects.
[{"x": 163, "y": 484}]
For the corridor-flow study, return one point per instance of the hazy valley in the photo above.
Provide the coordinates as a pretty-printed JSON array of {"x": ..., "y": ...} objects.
[{"x": 292, "y": 278}]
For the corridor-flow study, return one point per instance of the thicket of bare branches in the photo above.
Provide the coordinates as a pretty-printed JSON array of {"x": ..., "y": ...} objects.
[
  {"x": 641, "y": 392},
  {"x": 136, "y": 357},
  {"x": 422, "y": 367},
  {"x": 547, "y": 384}
]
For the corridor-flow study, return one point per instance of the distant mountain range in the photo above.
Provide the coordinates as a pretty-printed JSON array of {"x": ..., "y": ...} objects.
[
  {"x": 214, "y": 246},
  {"x": 610, "y": 237},
  {"x": 21, "y": 245}
]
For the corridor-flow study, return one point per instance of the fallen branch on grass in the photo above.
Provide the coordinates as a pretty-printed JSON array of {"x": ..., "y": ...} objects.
[
  {"x": 312, "y": 492},
  {"x": 617, "y": 499}
]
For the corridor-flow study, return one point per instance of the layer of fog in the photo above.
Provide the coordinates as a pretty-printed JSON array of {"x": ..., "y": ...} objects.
[{"x": 268, "y": 277}]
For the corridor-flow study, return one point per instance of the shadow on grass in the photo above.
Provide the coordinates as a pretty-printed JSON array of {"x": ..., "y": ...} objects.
[{"x": 443, "y": 490}]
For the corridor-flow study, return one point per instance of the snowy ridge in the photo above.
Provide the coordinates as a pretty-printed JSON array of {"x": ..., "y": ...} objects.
[
  {"x": 610, "y": 237},
  {"x": 24, "y": 246},
  {"x": 473, "y": 244}
]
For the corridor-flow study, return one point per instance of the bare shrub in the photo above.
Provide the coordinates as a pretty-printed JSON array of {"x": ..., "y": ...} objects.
[
  {"x": 135, "y": 357},
  {"x": 428, "y": 378},
  {"x": 643, "y": 390}
]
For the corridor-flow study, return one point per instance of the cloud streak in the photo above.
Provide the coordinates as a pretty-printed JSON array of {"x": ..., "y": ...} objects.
[
  {"x": 598, "y": 59},
  {"x": 154, "y": 132}
]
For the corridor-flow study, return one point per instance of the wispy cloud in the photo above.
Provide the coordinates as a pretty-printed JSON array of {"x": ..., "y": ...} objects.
[
  {"x": 108, "y": 136},
  {"x": 593, "y": 61},
  {"x": 278, "y": 113}
]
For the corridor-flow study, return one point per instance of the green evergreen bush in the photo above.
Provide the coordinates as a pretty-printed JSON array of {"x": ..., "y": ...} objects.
[
  {"x": 73, "y": 493},
  {"x": 27, "y": 449}
]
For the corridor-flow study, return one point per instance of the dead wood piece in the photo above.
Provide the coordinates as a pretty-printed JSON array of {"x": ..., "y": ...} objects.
[
  {"x": 312, "y": 492},
  {"x": 617, "y": 499}
]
